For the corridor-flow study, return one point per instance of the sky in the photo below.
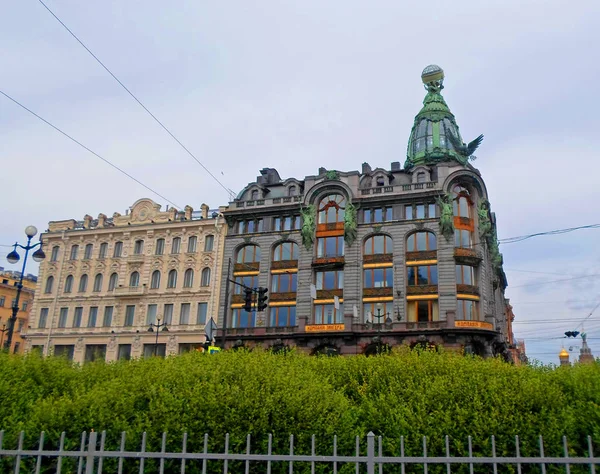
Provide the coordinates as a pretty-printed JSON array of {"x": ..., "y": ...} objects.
[{"x": 300, "y": 85}]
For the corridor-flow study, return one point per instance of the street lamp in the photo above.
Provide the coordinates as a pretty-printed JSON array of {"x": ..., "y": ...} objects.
[
  {"x": 13, "y": 257},
  {"x": 3, "y": 330},
  {"x": 380, "y": 314},
  {"x": 157, "y": 325}
]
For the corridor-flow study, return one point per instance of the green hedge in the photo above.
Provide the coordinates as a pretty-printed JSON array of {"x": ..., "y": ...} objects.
[{"x": 411, "y": 394}]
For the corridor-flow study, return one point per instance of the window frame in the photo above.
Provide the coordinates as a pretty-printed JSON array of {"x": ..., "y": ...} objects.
[
  {"x": 172, "y": 279},
  {"x": 188, "y": 278},
  {"x": 159, "y": 248},
  {"x": 49, "y": 285},
  {"x": 278, "y": 251},
  {"x": 328, "y": 201},
  {"x": 74, "y": 252},
  {"x": 118, "y": 249},
  {"x": 209, "y": 243},
  {"x": 175, "y": 245},
  {"x": 113, "y": 281},
  {"x": 134, "y": 277},
  {"x": 205, "y": 277},
  {"x": 83, "y": 283},
  {"x": 387, "y": 242},
  {"x": 275, "y": 316},
  {"x": 415, "y": 278},
  {"x": 98, "y": 282},
  {"x": 69, "y": 284},
  {"x": 192, "y": 244},
  {"x": 242, "y": 251},
  {"x": 155, "y": 282},
  {"x": 88, "y": 251},
  {"x": 138, "y": 247},
  {"x": 388, "y": 277},
  {"x": 433, "y": 310},
  {"x": 414, "y": 247}
]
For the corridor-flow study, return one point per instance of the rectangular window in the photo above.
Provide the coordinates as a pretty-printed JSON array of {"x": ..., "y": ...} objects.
[
  {"x": 284, "y": 283},
  {"x": 66, "y": 351},
  {"x": 249, "y": 281},
  {"x": 118, "y": 249},
  {"x": 329, "y": 247},
  {"x": 124, "y": 352},
  {"x": 283, "y": 316},
  {"x": 168, "y": 314},
  {"x": 288, "y": 223},
  {"x": 175, "y": 244},
  {"x": 378, "y": 215},
  {"x": 462, "y": 238},
  {"x": 367, "y": 216},
  {"x": 24, "y": 306},
  {"x": 420, "y": 211},
  {"x": 330, "y": 280},
  {"x": 160, "y": 247},
  {"x": 62, "y": 318},
  {"x": 108, "y": 314},
  {"x": 202, "y": 312},
  {"x": 43, "y": 318},
  {"x": 297, "y": 223},
  {"x": 328, "y": 314},
  {"x": 467, "y": 310},
  {"x": 129, "y": 315},
  {"x": 192, "y": 242},
  {"x": 92, "y": 317},
  {"x": 88, "y": 251},
  {"x": 95, "y": 352},
  {"x": 54, "y": 256},
  {"x": 77, "y": 317},
  {"x": 422, "y": 311},
  {"x": 209, "y": 242},
  {"x": 465, "y": 275},
  {"x": 21, "y": 324},
  {"x": 138, "y": 247},
  {"x": 2, "y": 301},
  {"x": 151, "y": 314},
  {"x": 242, "y": 319},
  {"x": 277, "y": 224},
  {"x": 158, "y": 350},
  {"x": 74, "y": 251},
  {"x": 388, "y": 214},
  {"x": 422, "y": 275},
  {"x": 103, "y": 250},
  {"x": 250, "y": 226},
  {"x": 408, "y": 211},
  {"x": 378, "y": 313},
  {"x": 184, "y": 315},
  {"x": 431, "y": 211},
  {"x": 379, "y": 277}
]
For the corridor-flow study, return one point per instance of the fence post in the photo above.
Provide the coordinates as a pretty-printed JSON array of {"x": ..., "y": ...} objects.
[
  {"x": 89, "y": 463},
  {"x": 371, "y": 453}
]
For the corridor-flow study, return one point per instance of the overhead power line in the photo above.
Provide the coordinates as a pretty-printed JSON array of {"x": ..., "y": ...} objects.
[
  {"x": 521, "y": 238},
  {"x": 229, "y": 191},
  {"x": 89, "y": 150},
  {"x": 594, "y": 275}
]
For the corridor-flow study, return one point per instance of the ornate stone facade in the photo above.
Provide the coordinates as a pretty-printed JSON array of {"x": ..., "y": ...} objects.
[{"x": 105, "y": 280}]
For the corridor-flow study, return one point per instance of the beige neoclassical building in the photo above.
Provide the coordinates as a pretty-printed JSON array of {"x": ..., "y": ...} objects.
[{"x": 106, "y": 280}]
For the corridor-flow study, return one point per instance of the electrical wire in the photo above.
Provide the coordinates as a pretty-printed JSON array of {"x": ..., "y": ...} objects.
[
  {"x": 89, "y": 150},
  {"x": 593, "y": 275},
  {"x": 229, "y": 191},
  {"x": 521, "y": 238}
]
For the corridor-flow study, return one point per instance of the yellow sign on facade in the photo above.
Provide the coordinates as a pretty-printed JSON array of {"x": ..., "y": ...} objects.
[
  {"x": 324, "y": 327},
  {"x": 473, "y": 324}
]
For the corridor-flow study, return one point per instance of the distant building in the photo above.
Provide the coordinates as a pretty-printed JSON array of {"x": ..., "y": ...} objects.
[
  {"x": 105, "y": 281},
  {"x": 8, "y": 294},
  {"x": 563, "y": 357},
  {"x": 585, "y": 353},
  {"x": 360, "y": 261}
]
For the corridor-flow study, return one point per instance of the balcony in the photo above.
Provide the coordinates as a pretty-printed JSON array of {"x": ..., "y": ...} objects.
[
  {"x": 467, "y": 289},
  {"x": 136, "y": 258},
  {"x": 416, "y": 256},
  {"x": 284, "y": 264},
  {"x": 467, "y": 256},
  {"x": 246, "y": 267},
  {"x": 379, "y": 258},
  {"x": 336, "y": 261},
  {"x": 124, "y": 291}
]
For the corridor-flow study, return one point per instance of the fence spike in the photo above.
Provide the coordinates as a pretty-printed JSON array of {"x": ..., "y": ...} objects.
[
  {"x": 334, "y": 454},
  {"x": 19, "y": 449},
  {"x": 121, "y": 451},
  {"x": 542, "y": 454},
  {"x": 591, "y": 450},
  {"x": 495, "y": 466},
  {"x": 38, "y": 464},
  {"x": 225, "y": 462},
  {"x": 205, "y": 461},
  {"x": 91, "y": 453},
  {"x": 470, "y": 454},
  {"x": 269, "y": 452},
  {"x": 448, "y": 471},
  {"x": 566, "y": 449},
  {"x": 81, "y": 451},
  {"x": 1, "y": 438},
  {"x": 380, "y": 453},
  {"x": 357, "y": 455},
  {"x": 248, "y": 452},
  {"x": 312, "y": 453},
  {"x": 291, "y": 468},
  {"x": 402, "y": 454},
  {"x": 61, "y": 447},
  {"x": 183, "y": 450},
  {"x": 102, "y": 443},
  {"x": 163, "y": 449},
  {"x": 370, "y": 452},
  {"x": 425, "y": 467},
  {"x": 143, "y": 459}
]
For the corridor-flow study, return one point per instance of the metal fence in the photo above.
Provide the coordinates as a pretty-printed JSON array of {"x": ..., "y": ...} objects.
[{"x": 90, "y": 457}]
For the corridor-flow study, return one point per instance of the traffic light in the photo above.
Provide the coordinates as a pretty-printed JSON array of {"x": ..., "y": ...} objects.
[
  {"x": 572, "y": 333},
  {"x": 248, "y": 299},
  {"x": 262, "y": 299}
]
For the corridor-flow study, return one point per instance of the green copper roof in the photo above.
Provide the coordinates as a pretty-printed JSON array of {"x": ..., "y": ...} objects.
[{"x": 435, "y": 136}]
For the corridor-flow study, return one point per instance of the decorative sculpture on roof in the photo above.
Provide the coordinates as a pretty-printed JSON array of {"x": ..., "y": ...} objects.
[
  {"x": 446, "y": 216},
  {"x": 332, "y": 174},
  {"x": 350, "y": 224},
  {"x": 462, "y": 148},
  {"x": 309, "y": 225}
]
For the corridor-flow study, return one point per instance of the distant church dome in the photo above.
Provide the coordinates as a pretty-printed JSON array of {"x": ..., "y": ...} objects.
[{"x": 563, "y": 354}]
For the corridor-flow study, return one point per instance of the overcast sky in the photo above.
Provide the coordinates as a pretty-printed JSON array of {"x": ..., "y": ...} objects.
[{"x": 299, "y": 85}]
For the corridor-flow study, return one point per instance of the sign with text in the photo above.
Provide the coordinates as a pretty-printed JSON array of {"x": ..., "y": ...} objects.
[
  {"x": 473, "y": 324},
  {"x": 324, "y": 327}
]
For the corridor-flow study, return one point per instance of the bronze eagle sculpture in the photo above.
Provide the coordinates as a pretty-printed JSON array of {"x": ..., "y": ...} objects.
[{"x": 464, "y": 149}]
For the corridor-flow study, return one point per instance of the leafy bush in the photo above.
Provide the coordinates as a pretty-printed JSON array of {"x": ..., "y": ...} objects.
[{"x": 408, "y": 393}]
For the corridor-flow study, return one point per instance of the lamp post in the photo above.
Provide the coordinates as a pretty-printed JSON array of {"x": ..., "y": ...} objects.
[
  {"x": 380, "y": 314},
  {"x": 3, "y": 330},
  {"x": 13, "y": 257},
  {"x": 157, "y": 325}
]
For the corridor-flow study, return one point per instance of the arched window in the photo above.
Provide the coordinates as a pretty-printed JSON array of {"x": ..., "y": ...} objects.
[
  {"x": 378, "y": 244},
  {"x": 98, "y": 282},
  {"x": 49, "y": 284},
  {"x": 160, "y": 247},
  {"x": 134, "y": 280},
  {"x": 112, "y": 282},
  {"x": 172, "y": 279},
  {"x": 87, "y": 254},
  {"x": 188, "y": 278},
  {"x": 138, "y": 247},
  {"x": 254, "y": 195},
  {"x": 103, "y": 250},
  {"x": 285, "y": 251},
  {"x": 192, "y": 242},
  {"x": 155, "y": 280},
  {"x": 205, "y": 280},
  {"x": 421, "y": 242},
  {"x": 248, "y": 254},
  {"x": 175, "y": 245},
  {"x": 292, "y": 191},
  {"x": 118, "y": 249},
  {"x": 331, "y": 209},
  {"x": 208, "y": 243},
  {"x": 74, "y": 252},
  {"x": 380, "y": 181},
  {"x": 464, "y": 224},
  {"x": 69, "y": 284},
  {"x": 54, "y": 256},
  {"x": 83, "y": 283}
]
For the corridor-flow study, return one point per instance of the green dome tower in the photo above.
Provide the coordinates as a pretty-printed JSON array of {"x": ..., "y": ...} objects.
[{"x": 435, "y": 137}]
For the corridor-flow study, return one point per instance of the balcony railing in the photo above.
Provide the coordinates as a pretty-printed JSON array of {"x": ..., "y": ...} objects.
[{"x": 129, "y": 290}]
